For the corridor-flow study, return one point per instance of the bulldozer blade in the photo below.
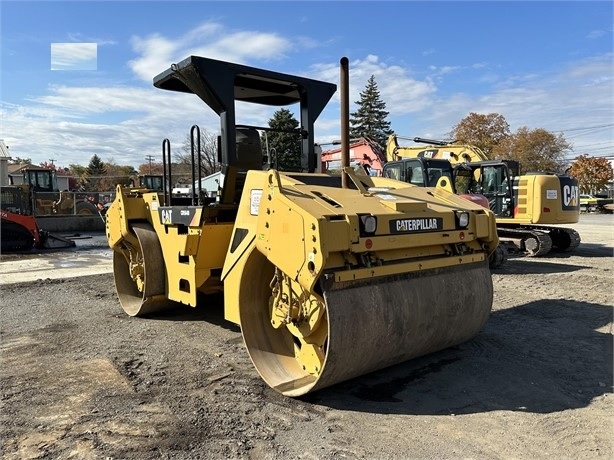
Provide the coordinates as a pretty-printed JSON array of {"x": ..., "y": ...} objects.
[{"x": 51, "y": 241}]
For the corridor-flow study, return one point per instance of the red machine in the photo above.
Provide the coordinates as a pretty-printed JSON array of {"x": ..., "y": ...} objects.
[
  {"x": 363, "y": 152},
  {"x": 19, "y": 230}
]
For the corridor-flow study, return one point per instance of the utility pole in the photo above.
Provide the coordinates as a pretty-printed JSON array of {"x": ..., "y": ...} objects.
[
  {"x": 149, "y": 158},
  {"x": 52, "y": 160}
]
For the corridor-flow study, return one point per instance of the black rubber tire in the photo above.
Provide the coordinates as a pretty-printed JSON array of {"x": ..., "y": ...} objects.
[
  {"x": 85, "y": 208},
  {"x": 498, "y": 257}
]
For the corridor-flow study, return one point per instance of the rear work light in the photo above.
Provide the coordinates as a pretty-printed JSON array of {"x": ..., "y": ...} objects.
[
  {"x": 368, "y": 224},
  {"x": 462, "y": 219}
]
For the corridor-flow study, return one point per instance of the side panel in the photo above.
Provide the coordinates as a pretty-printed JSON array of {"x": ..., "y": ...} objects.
[
  {"x": 545, "y": 199},
  {"x": 194, "y": 252},
  {"x": 242, "y": 241}
]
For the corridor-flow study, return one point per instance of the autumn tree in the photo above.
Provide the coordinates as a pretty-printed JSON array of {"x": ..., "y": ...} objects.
[
  {"x": 76, "y": 170},
  {"x": 483, "y": 131},
  {"x": 370, "y": 120},
  {"x": 593, "y": 173},
  {"x": 283, "y": 141},
  {"x": 537, "y": 150},
  {"x": 47, "y": 165},
  {"x": 115, "y": 175}
]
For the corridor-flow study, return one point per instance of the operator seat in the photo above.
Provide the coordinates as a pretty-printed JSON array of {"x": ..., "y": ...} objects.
[
  {"x": 249, "y": 149},
  {"x": 249, "y": 156},
  {"x": 434, "y": 177}
]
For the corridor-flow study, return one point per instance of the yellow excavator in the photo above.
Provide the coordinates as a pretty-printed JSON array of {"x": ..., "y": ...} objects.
[
  {"x": 329, "y": 277},
  {"x": 531, "y": 209}
]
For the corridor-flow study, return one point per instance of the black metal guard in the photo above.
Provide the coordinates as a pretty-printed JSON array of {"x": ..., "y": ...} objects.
[
  {"x": 196, "y": 199},
  {"x": 166, "y": 157}
]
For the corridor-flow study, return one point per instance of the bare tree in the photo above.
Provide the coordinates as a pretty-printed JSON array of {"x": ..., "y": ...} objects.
[{"x": 208, "y": 152}]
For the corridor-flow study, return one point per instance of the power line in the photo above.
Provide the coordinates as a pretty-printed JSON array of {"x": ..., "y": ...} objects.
[
  {"x": 583, "y": 129},
  {"x": 607, "y": 156},
  {"x": 598, "y": 143}
]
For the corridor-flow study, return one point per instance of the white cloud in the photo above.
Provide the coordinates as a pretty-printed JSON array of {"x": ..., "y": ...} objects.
[
  {"x": 74, "y": 56},
  {"x": 84, "y": 101},
  {"x": 74, "y": 37},
  {"x": 155, "y": 54},
  {"x": 73, "y": 123},
  {"x": 124, "y": 123},
  {"x": 211, "y": 39},
  {"x": 401, "y": 93},
  {"x": 579, "y": 95},
  {"x": 594, "y": 34}
]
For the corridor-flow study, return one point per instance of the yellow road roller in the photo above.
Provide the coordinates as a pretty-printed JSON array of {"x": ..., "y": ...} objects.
[{"x": 329, "y": 277}]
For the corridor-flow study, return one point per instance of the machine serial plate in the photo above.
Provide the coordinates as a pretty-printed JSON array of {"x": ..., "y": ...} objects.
[{"x": 416, "y": 225}]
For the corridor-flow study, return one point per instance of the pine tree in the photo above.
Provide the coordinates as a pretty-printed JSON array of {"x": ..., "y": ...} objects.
[
  {"x": 94, "y": 173},
  {"x": 370, "y": 120},
  {"x": 284, "y": 148}
]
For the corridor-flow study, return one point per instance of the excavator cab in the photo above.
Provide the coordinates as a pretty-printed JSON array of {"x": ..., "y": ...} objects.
[
  {"x": 422, "y": 171},
  {"x": 41, "y": 180},
  {"x": 492, "y": 179},
  {"x": 151, "y": 181}
]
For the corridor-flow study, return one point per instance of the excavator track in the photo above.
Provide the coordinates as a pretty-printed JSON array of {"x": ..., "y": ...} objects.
[
  {"x": 15, "y": 237},
  {"x": 530, "y": 241},
  {"x": 542, "y": 240},
  {"x": 361, "y": 326},
  {"x": 564, "y": 239}
]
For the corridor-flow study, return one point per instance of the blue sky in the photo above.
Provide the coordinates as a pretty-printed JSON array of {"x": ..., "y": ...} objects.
[{"x": 76, "y": 77}]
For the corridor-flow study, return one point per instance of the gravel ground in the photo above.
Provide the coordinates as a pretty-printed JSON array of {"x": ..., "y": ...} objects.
[{"x": 79, "y": 379}]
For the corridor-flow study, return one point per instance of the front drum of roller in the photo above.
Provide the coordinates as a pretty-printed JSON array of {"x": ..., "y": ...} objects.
[{"x": 369, "y": 325}]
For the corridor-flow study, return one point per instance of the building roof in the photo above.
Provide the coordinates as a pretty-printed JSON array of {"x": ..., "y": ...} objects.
[{"x": 18, "y": 168}]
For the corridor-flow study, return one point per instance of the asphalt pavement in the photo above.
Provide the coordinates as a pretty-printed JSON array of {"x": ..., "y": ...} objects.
[{"x": 90, "y": 256}]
